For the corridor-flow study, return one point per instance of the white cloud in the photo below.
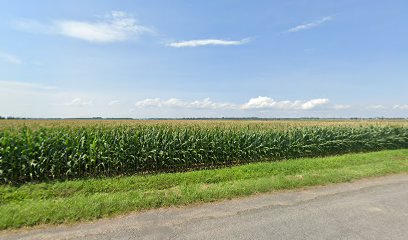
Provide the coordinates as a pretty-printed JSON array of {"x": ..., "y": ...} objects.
[
  {"x": 310, "y": 24},
  {"x": 341, "y": 106},
  {"x": 113, "y": 102},
  {"x": 177, "y": 103},
  {"x": 79, "y": 102},
  {"x": 259, "y": 102},
  {"x": 113, "y": 27},
  {"x": 207, "y": 42},
  {"x": 400, "y": 107},
  {"x": 208, "y": 104},
  {"x": 35, "y": 100},
  {"x": 253, "y": 103},
  {"x": 377, "y": 107},
  {"x": 395, "y": 107},
  {"x": 14, "y": 85},
  {"x": 267, "y": 102},
  {"x": 314, "y": 103},
  {"x": 150, "y": 102},
  {"x": 10, "y": 58}
]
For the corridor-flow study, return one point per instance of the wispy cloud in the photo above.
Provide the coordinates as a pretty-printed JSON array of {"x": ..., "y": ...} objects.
[
  {"x": 400, "y": 107},
  {"x": 79, "y": 102},
  {"x": 10, "y": 58},
  {"x": 267, "y": 102},
  {"x": 178, "y": 103},
  {"x": 310, "y": 25},
  {"x": 14, "y": 85},
  {"x": 341, "y": 106},
  {"x": 113, "y": 27},
  {"x": 377, "y": 107},
  {"x": 113, "y": 102},
  {"x": 207, "y": 42}
]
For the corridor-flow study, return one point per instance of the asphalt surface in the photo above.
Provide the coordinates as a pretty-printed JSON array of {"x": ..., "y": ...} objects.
[{"x": 366, "y": 209}]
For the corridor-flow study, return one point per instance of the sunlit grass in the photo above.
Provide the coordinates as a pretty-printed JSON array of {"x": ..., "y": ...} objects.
[{"x": 71, "y": 201}]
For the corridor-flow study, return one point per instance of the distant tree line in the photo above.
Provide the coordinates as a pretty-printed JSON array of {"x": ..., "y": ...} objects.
[
  {"x": 221, "y": 118},
  {"x": 11, "y": 117}
]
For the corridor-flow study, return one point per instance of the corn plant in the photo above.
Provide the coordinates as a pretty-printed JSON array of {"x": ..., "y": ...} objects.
[{"x": 67, "y": 152}]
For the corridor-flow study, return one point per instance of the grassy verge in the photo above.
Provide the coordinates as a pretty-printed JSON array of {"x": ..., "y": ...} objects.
[{"x": 70, "y": 201}]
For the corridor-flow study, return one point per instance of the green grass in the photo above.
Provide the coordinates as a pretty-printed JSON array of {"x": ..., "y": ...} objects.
[{"x": 87, "y": 199}]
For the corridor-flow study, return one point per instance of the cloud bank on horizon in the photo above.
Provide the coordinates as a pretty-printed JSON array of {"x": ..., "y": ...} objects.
[
  {"x": 253, "y": 103},
  {"x": 86, "y": 105}
]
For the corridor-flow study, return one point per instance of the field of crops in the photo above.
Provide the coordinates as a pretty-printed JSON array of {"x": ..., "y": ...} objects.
[{"x": 46, "y": 150}]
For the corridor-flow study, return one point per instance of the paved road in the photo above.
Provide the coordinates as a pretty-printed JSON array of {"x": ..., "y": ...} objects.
[{"x": 366, "y": 209}]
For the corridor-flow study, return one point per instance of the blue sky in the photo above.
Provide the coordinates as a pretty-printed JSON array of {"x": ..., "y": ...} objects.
[{"x": 203, "y": 58}]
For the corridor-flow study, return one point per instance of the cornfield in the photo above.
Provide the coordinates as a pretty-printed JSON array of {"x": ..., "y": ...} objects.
[{"x": 95, "y": 150}]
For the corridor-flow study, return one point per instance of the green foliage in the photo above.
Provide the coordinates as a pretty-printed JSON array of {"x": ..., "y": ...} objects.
[
  {"x": 28, "y": 154},
  {"x": 86, "y": 199}
]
